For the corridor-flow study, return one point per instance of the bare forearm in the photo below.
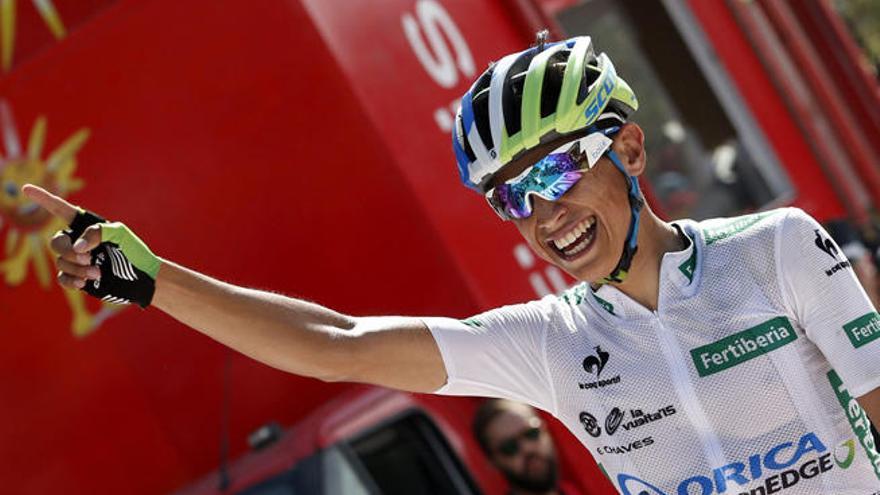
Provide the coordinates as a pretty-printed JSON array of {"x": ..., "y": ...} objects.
[{"x": 289, "y": 334}]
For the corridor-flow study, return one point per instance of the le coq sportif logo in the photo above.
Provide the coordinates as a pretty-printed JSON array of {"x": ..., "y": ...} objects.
[
  {"x": 828, "y": 247},
  {"x": 825, "y": 244},
  {"x": 594, "y": 364}
]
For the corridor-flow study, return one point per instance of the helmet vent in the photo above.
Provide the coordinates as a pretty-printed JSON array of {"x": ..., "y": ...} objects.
[
  {"x": 591, "y": 74},
  {"x": 481, "y": 107},
  {"x": 511, "y": 98},
  {"x": 553, "y": 82},
  {"x": 464, "y": 142}
]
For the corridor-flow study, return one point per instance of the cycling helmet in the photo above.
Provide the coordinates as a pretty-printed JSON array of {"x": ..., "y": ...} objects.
[{"x": 534, "y": 97}]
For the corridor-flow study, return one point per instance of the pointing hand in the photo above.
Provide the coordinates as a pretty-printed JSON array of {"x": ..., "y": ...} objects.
[{"x": 106, "y": 260}]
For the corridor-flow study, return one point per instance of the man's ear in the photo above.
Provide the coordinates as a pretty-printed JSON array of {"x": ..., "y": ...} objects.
[{"x": 629, "y": 144}]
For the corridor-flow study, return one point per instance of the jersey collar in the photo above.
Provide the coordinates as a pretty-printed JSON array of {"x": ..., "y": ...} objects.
[{"x": 680, "y": 273}]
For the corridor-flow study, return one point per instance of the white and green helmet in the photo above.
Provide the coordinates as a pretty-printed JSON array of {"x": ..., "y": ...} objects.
[{"x": 532, "y": 97}]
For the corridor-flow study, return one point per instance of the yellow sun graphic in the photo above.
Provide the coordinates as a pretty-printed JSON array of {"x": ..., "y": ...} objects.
[
  {"x": 47, "y": 11},
  {"x": 29, "y": 227}
]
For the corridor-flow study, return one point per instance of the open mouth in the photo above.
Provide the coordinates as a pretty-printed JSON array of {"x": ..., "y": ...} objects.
[
  {"x": 577, "y": 241},
  {"x": 535, "y": 465}
]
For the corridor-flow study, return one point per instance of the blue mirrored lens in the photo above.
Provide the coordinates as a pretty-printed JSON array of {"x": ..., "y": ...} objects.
[{"x": 550, "y": 178}]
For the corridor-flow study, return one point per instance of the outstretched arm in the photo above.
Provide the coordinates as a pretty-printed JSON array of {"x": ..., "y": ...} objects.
[
  {"x": 289, "y": 334},
  {"x": 302, "y": 337}
]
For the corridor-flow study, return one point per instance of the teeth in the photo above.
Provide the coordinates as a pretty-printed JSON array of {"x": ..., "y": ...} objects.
[
  {"x": 580, "y": 247},
  {"x": 574, "y": 234}
]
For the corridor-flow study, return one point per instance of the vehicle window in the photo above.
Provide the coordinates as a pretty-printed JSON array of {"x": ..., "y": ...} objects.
[
  {"x": 406, "y": 456},
  {"x": 302, "y": 479},
  {"x": 329, "y": 472},
  {"x": 340, "y": 476},
  {"x": 280, "y": 485},
  {"x": 410, "y": 457}
]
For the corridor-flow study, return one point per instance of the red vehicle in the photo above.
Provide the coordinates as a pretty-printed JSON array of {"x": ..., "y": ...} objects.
[
  {"x": 304, "y": 147},
  {"x": 369, "y": 440}
]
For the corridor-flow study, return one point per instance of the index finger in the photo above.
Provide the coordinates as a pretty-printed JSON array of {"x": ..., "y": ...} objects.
[{"x": 50, "y": 202}]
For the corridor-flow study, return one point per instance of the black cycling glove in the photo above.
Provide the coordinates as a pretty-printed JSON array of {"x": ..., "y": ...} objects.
[{"x": 128, "y": 267}]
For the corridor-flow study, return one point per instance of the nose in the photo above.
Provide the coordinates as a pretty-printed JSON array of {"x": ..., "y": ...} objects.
[
  {"x": 549, "y": 214},
  {"x": 530, "y": 447}
]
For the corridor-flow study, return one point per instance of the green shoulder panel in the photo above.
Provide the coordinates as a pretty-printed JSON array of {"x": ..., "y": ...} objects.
[
  {"x": 578, "y": 294},
  {"x": 472, "y": 322},
  {"x": 605, "y": 304},
  {"x": 722, "y": 228}
]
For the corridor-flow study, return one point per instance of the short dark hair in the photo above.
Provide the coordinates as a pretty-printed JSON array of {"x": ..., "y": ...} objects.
[{"x": 486, "y": 413}]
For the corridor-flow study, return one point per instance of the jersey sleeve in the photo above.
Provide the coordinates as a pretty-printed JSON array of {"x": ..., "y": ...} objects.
[
  {"x": 500, "y": 353},
  {"x": 824, "y": 295}
]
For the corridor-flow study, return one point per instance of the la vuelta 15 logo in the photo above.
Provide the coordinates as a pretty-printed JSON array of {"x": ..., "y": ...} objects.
[
  {"x": 26, "y": 226},
  {"x": 780, "y": 467}
]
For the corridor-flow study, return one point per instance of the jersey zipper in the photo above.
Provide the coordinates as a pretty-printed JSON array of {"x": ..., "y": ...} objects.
[{"x": 684, "y": 389}]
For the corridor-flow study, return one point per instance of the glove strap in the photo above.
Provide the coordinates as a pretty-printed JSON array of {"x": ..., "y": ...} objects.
[{"x": 83, "y": 220}]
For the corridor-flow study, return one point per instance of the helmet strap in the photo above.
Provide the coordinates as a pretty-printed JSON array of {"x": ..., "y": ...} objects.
[{"x": 630, "y": 247}]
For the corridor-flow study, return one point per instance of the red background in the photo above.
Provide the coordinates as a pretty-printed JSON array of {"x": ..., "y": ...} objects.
[{"x": 275, "y": 144}]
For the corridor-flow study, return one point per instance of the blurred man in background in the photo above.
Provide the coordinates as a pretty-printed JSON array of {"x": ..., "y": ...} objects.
[{"x": 517, "y": 442}]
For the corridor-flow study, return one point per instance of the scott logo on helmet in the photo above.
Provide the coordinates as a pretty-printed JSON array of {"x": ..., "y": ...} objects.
[
  {"x": 776, "y": 470},
  {"x": 600, "y": 98}
]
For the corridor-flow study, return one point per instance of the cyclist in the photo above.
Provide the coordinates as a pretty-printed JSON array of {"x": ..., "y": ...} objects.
[{"x": 725, "y": 356}]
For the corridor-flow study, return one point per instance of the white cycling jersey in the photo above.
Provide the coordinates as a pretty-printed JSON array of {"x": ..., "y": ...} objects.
[{"x": 742, "y": 382}]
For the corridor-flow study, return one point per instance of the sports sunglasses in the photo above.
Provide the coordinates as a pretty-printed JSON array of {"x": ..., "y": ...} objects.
[
  {"x": 510, "y": 447},
  {"x": 550, "y": 177}
]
